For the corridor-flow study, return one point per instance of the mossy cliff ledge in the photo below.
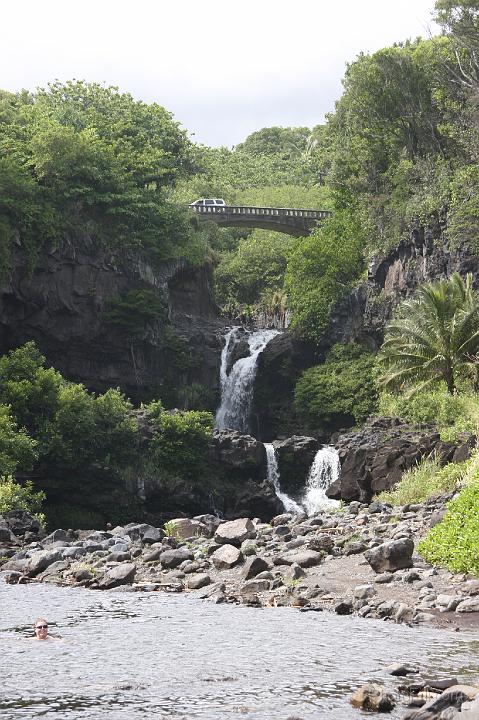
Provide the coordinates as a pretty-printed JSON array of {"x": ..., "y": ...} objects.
[{"x": 109, "y": 320}]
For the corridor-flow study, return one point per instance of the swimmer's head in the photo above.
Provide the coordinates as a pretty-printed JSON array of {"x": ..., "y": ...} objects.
[{"x": 41, "y": 628}]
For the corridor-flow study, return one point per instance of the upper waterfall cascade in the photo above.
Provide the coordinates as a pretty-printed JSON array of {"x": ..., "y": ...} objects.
[
  {"x": 325, "y": 470},
  {"x": 237, "y": 385}
]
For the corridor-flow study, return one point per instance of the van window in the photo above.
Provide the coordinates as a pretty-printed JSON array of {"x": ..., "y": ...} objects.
[{"x": 209, "y": 202}]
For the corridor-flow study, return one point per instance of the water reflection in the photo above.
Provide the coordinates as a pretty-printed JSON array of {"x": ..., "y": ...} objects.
[{"x": 142, "y": 655}]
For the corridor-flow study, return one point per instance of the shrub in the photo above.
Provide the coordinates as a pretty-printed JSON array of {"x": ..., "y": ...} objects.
[
  {"x": 454, "y": 541},
  {"x": 180, "y": 442},
  {"x": 20, "y": 497},
  {"x": 424, "y": 480},
  {"x": 17, "y": 449},
  {"x": 340, "y": 391},
  {"x": 452, "y": 414}
]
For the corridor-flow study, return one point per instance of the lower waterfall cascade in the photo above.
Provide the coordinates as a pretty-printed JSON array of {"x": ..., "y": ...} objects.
[
  {"x": 325, "y": 469},
  {"x": 289, "y": 504}
]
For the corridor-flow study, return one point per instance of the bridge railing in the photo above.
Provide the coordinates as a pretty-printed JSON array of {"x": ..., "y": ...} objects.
[{"x": 251, "y": 210}]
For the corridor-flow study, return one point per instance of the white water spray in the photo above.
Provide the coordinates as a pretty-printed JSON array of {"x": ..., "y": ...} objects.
[
  {"x": 237, "y": 386},
  {"x": 324, "y": 471},
  {"x": 273, "y": 475}
]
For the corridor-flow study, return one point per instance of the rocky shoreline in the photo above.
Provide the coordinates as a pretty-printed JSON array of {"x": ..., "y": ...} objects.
[{"x": 359, "y": 559}]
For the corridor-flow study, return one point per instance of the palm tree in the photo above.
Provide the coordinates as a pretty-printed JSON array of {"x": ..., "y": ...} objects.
[{"x": 434, "y": 335}]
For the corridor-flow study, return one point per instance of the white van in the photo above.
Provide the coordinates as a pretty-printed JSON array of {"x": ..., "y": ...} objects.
[{"x": 208, "y": 201}]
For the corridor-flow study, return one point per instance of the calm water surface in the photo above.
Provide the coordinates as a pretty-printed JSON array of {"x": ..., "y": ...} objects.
[{"x": 142, "y": 656}]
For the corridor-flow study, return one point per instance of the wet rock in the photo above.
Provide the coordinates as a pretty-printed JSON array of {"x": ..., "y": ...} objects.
[
  {"x": 452, "y": 698},
  {"x": 242, "y": 452},
  {"x": 344, "y": 607},
  {"x": 212, "y": 590},
  {"x": 235, "y": 532},
  {"x": 83, "y": 575},
  {"x": 283, "y": 519},
  {"x": 391, "y": 556},
  {"x": 402, "y": 669},
  {"x": 123, "y": 574},
  {"x": 227, "y": 556},
  {"x": 373, "y": 697},
  {"x": 12, "y": 578},
  {"x": 295, "y": 456}
]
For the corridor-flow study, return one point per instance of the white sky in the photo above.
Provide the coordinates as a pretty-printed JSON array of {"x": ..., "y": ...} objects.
[{"x": 224, "y": 69}]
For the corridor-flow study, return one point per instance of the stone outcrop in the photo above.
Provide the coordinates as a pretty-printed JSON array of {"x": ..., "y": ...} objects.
[
  {"x": 422, "y": 257},
  {"x": 374, "y": 458},
  {"x": 279, "y": 367},
  {"x": 295, "y": 456},
  {"x": 64, "y": 305}
]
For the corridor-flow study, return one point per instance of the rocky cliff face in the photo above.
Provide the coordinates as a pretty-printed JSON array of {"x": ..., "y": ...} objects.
[
  {"x": 65, "y": 303},
  {"x": 422, "y": 257}
]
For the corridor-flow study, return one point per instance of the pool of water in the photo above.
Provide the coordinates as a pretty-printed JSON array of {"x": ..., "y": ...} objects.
[{"x": 146, "y": 655}]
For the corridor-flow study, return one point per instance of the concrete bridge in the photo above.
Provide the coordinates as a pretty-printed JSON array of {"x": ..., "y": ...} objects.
[{"x": 293, "y": 221}]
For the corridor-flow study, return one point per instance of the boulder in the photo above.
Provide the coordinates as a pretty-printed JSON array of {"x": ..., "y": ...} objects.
[
  {"x": 182, "y": 528},
  {"x": 59, "y": 535},
  {"x": 172, "y": 558},
  {"x": 6, "y": 535},
  {"x": 195, "y": 582},
  {"x": 152, "y": 535},
  {"x": 303, "y": 558},
  {"x": 40, "y": 561},
  {"x": 235, "y": 532},
  {"x": 391, "y": 556},
  {"x": 227, "y": 556},
  {"x": 253, "y": 566},
  {"x": 123, "y": 574},
  {"x": 468, "y": 605},
  {"x": 373, "y": 697}
]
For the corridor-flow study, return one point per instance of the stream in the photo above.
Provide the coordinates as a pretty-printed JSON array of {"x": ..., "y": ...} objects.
[{"x": 143, "y": 655}]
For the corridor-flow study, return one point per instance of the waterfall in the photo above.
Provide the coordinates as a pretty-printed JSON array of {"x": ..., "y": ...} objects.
[
  {"x": 273, "y": 475},
  {"x": 237, "y": 386},
  {"x": 324, "y": 471}
]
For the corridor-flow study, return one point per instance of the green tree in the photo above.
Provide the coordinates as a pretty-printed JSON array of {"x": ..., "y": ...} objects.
[
  {"x": 321, "y": 269},
  {"x": 434, "y": 335},
  {"x": 17, "y": 449}
]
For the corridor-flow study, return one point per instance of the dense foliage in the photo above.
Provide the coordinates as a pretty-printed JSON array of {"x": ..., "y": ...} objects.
[
  {"x": 453, "y": 542},
  {"x": 80, "y": 161},
  {"x": 81, "y": 442},
  {"x": 340, "y": 391}
]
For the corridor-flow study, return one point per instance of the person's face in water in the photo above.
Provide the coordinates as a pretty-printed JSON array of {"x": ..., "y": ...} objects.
[{"x": 41, "y": 629}]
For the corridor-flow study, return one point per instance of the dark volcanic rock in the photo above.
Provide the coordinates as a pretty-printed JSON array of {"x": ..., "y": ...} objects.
[
  {"x": 63, "y": 305},
  {"x": 391, "y": 556},
  {"x": 374, "y": 458},
  {"x": 295, "y": 456},
  {"x": 242, "y": 452}
]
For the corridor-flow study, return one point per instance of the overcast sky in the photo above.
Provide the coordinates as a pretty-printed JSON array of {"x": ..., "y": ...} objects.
[{"x": 224, "y": 69}]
